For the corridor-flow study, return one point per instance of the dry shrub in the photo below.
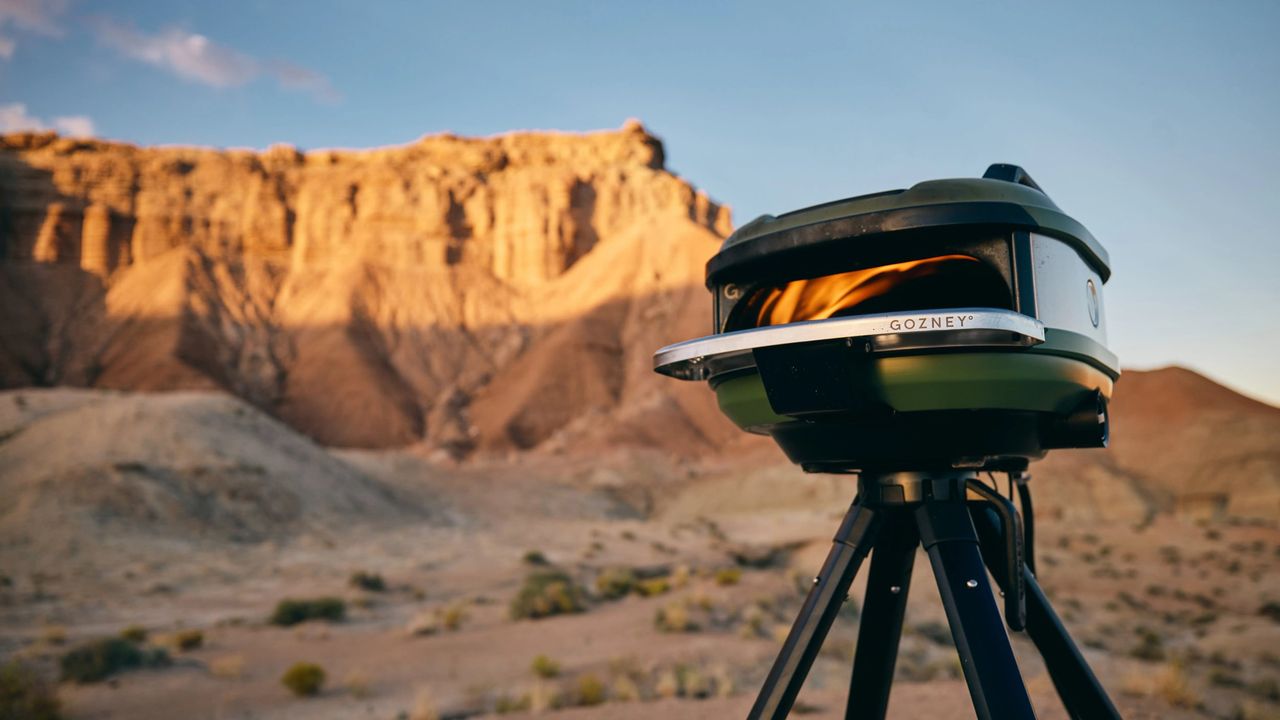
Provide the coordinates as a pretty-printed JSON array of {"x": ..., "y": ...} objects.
[
  {"x": 752, "y": 624},
  {"x": 1150, "y": 645},
  {"x": 591, "y": 691},
  {"x": 546, "y": 593},
  {"x": 668, "y": 684},
  {"x": 26, "y": 695},
  {"x": 653, "y": 586},
  {"x": 1170, "y": 684},
  {"x": 185, "y": 640},
  {"x": 1136, "y": 684},
  {"x": 426, "y": 622},
  {"x": 615, "y": 583},
  {"x": 674, "y": 617},
  {"x": 451, "y": 617},
  {"x": 625, "y": 689},
  {"x": 723, "y": 680},
  {"x": 1223, "y": 677},
  {"x": 680, "y": 576},
  {"x": 368, "y": 581},
  {"x": 728, "y": 576},
  {"x": 304, "y": 679},
  {"x": 693, "y": 682},
  {"x": 544, "y": 667},
  {"x": 1174, "y": 687},
  {"x": 134, "y": 634},
  {"x": 292, "y": 611},
  {"x": 97, "y": 659},
  {"x": 230, "y": 667}
]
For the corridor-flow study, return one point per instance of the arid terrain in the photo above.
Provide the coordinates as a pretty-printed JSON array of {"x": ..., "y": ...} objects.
[{"x": 415, "y": 381}]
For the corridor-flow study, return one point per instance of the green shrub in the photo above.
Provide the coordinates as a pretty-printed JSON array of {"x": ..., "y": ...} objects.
[
  {"x": 304, "y": 679},
  {"x": 24, "y": 695},
  {"x": 615, "y": 583},
  {"x": 546, "y": 593},
  {"x": 535, "y": 557},
  {"x": 97, "y": 659},
  {"x": 371, "y": 582},
  {"x": 188, "y": 639},
  {"x": 134, "y": 634},
  {"x": 544, "y": 667},
  {"x": 590, "y": 690},
  {"x": 728, "y": 576},
  {"x": 290, "y": 611}
]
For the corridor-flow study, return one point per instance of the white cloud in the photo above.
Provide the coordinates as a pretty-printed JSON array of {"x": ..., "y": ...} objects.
[
  {"x": 74, "y": 126},
  {"x": 37, "y": 16},
  {"x": 42, "y": 17},
  {"x": 14, "y": 117},
  {"x": 194, "y": 57}
]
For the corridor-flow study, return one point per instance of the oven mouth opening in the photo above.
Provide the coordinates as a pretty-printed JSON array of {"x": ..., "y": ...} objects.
[{"x": 933, "y": 283}]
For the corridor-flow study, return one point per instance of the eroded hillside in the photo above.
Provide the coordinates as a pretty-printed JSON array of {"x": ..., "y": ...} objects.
[{"x": 473, "y": 293}]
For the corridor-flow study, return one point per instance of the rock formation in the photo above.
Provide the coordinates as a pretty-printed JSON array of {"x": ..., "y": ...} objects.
[{"x": 370, "y": 298}]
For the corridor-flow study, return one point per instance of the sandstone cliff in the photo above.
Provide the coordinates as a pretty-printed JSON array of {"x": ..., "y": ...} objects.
[{"x": 475, "y": 293}]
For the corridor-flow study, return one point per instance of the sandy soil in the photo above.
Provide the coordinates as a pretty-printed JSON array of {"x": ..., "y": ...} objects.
[
  {"x": 1168, "y": 609},
  {"x": 1107, "y": 581}
]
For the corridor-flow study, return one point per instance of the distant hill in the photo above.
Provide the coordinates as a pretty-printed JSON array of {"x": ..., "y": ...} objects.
[
  {"x": 82, "y": 471},
  {"x": 1180, "y": 443}
]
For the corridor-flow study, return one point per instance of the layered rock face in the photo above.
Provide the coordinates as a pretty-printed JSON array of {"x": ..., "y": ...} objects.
[
  {"x": 476, "y": 293},
  {"x": 523, "y": 207}
]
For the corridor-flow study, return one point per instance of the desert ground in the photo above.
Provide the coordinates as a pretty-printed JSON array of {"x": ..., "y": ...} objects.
[{"x": 690, "y": 573}]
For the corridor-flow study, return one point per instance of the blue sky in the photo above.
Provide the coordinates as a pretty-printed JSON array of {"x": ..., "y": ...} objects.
[{"x": 1154, "y": 123}]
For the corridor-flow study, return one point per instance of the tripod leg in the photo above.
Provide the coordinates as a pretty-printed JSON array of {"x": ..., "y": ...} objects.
[
  {"x": 995, "y": 684},
  {"x": 849, "y": 547},
  {"x": 1081, "y": 693},
  {"x": 881, "y": 626}
]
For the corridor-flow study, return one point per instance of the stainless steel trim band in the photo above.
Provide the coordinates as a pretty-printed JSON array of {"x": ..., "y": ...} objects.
[{"x": 706, "y": 357}]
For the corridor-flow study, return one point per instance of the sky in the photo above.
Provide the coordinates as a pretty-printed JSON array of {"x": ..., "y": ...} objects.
[{"x": 1153, "y": 123}]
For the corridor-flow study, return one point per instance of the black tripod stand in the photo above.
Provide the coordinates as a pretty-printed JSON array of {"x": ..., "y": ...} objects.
[{"x": 966, "y": 527}]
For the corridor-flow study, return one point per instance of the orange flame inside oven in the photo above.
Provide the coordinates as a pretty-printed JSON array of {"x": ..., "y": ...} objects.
[{"x": 830, "y": 295}]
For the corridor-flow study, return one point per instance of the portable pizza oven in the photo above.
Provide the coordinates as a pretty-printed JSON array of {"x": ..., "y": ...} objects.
[{"x": 957, "y": 323}]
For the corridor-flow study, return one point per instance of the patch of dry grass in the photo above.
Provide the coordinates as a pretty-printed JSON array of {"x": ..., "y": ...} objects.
[
  {"x": 358, "y": 683},
  {"x": 424, "y": 705},
  {"x": 229, "y": 667},
  {"x": 1170, "y": 684}
]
